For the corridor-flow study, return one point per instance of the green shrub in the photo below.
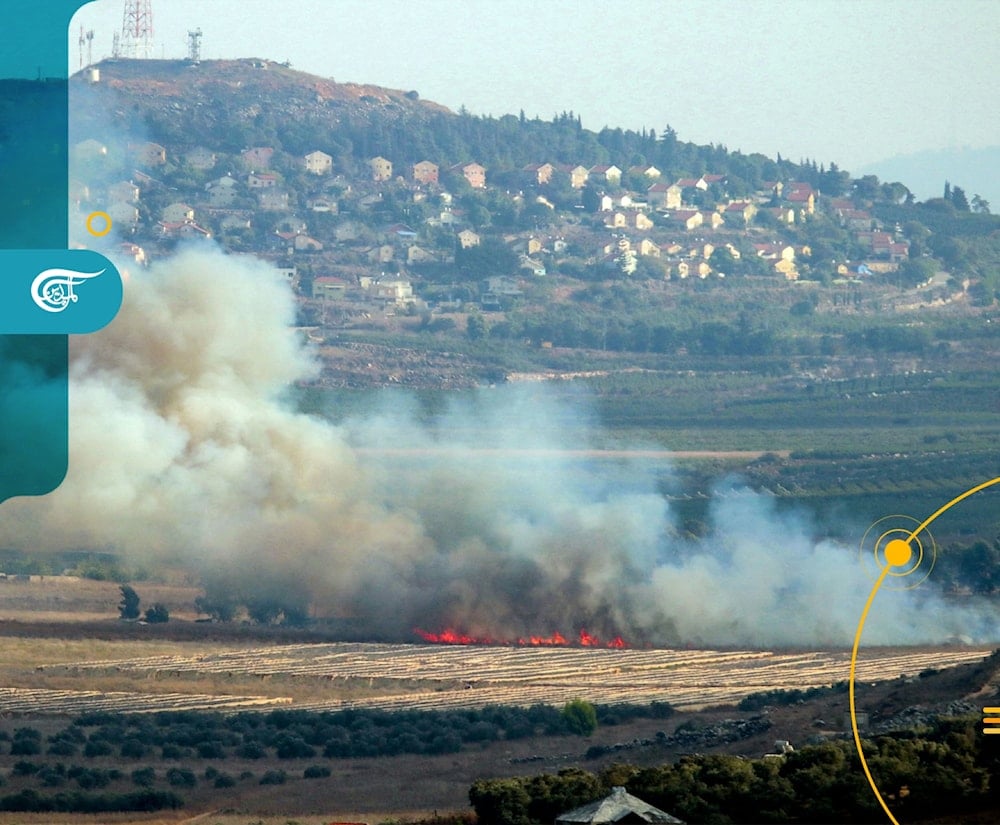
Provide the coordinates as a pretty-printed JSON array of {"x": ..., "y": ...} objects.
[
  {"x": 62, "y": 747},
  {"x": 181, "y": 778},
  {"x": 580, "y": 717},
  {"x": 133, "y": 749},
  {"x": 157, "y": 614},
  {"x": 273, "y": 778},
  {"x": 224, "y": 780},
  {"x": 97, "y": 747},
  {"x": 252, "y": 750},
  {"x": 51, "y": 777},
  {"x": 25, "y": 747}
]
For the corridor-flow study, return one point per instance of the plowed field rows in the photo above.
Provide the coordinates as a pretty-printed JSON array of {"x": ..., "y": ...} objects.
[
  {"x": 456, "y": 676},
  {"x": 72, "y": 702}
]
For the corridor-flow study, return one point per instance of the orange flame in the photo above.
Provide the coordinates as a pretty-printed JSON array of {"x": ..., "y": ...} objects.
[
  {"x": 451, "y": 636},
  {"x": 555, "y": 640}
]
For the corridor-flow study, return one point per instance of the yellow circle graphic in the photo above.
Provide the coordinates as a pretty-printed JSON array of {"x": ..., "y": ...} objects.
[
  {"x": 893, "y": 550},
  {"x": 90, "y": 224},
  {"x": 898, "y": 552},
  {"x": 900, "y": 545}
]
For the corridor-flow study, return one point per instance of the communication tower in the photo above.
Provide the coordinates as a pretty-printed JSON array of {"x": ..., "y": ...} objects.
[
  {"x": 194, "y": 46},
  {"x": 137, "y": 29},
  {"x": 86, "y": 39}
]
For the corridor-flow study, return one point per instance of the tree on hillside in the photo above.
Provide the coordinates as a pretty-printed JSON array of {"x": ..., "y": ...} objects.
[
  {"x": 157, "y": 614},
  {"x": 475, "y": 329},
  {"x": 915, "y": 271},
  {"x": 895, "y": 192},
  {"x": 590, "y": 197},
  {"x": 959, "y": 200},
  {"x": 722, "y": 260},
  {"x": 503, "y": 801},
  {"x": 490, "y": 257},
  {"x": 917, "y": 234},
  {"x": 128, "y": 607},
  {"x": 866, "y": 187},
  {"x": 580, "y": 717}
]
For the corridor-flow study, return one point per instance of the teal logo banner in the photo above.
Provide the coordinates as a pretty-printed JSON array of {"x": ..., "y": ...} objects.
[{"x": 57, "y": 291}]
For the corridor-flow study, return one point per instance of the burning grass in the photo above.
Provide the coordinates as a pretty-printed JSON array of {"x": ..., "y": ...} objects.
[
  {"x": 455, "y": 670},
  {"x": 450, "y": 636}
]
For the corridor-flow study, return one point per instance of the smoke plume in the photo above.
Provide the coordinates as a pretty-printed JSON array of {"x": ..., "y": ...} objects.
[{"x": 184, "y": 447}]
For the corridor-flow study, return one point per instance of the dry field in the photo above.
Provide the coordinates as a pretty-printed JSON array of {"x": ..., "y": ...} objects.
[
  {"x": 397, "y": 676},
  {"x": 42, "y": 674},
  {"x": 51, "y": 669}
]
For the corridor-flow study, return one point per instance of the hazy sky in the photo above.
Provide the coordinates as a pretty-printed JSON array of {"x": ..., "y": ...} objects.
[{"x": 851, "y": 82}]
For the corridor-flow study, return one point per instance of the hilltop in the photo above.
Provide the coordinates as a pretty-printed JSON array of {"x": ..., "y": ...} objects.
[{"x": 223, "y": 102}]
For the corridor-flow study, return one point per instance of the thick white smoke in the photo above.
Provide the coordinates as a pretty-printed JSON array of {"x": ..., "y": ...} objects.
[{"x": 183, "y": 447}]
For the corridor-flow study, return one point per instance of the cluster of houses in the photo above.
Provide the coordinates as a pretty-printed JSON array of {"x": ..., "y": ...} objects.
[{"x": 679, "y": 224}]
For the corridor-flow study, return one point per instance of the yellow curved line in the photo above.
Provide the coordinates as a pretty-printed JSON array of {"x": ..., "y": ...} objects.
[
  {"x": 861, "y": 625},
  {"x": 850, "y": 684},
  {"x": 927, "y": 521}
]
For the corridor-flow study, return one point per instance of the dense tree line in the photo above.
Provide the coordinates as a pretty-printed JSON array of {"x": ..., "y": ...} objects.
[
  {"x": 86, "y": 565},
  {"x": 291, "y": 734},
  {"x": 974, "y": 567},
  {"x": 510, "y": 142},
  {"x": 948, "y": 769},
  {"x": 30, "y": 800},
  {"x": 744, "y": 336}
]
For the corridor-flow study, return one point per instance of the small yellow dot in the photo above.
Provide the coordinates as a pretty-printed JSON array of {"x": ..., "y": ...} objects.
[{"x": 898, "y": 552}]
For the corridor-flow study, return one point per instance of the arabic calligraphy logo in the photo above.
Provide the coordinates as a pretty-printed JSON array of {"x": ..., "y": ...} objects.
[{"x": 52, "y": 289}]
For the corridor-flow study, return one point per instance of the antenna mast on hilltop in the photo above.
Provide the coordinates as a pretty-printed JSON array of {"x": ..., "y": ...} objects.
[
  {"x": 194, "y": 46},
  {"x": 86, "y": 39},
  {"x": 137, "y": 29}
]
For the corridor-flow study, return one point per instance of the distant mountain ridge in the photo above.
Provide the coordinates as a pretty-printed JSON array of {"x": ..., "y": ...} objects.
[{"x": 977, "y": 171}]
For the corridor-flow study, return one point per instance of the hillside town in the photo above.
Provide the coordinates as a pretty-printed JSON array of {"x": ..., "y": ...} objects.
[{"x": 379, "y": 235}]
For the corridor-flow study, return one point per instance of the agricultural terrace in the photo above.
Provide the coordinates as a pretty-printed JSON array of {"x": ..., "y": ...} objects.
[{"x": 432, "y": 677}]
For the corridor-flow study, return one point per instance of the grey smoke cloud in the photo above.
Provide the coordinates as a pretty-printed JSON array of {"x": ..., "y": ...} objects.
[{"x": 184, "y": 447}]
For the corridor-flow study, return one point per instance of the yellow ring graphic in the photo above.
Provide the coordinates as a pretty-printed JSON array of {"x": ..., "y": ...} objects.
[
  {"x": 107, "y": 224},
  {"x": 896, "y": 552},
  {"x": 902, "y": 535}
]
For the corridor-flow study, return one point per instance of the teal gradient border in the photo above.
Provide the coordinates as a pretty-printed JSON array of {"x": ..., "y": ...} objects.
[{"x": 34, "y": 392}]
